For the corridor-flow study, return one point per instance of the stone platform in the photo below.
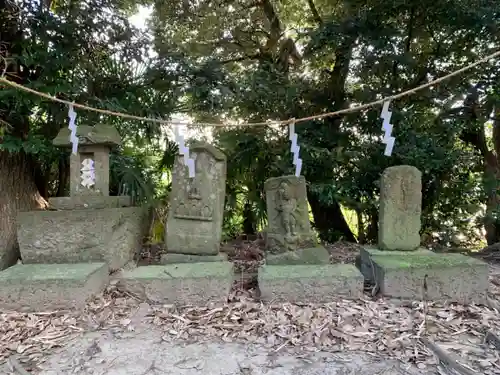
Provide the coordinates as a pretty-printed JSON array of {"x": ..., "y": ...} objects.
[
  {"x": 109, "y": 235},
  {"x": 184, "y": 283},
  {"x": 367, "y": 253},
  {"x": 48, "y": 287},
  {"x": 434, "y": 277},
  {"x": 173, "y": 258},
  {"x": 309, "y": 255},
  {"x": 309, "y": 283}
]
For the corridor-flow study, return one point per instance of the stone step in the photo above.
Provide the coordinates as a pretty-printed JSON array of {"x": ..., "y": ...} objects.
[
  {"x": 437, "y": 277},
  {"x": 172, "y": 258},
  {"x": 309, "y": 283},
  {"x": 183, "y": 283},
  {"x": 45, "y": 287},
  {"x": 308, "y": 255}
]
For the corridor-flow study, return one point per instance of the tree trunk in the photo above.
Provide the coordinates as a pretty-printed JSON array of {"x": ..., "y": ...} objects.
[
  {"x": 19, "y": 193},
  {"x": 491, "y": 182},
  {"x": 329, "y": 220},
  {"x": 249, "y": 220}
]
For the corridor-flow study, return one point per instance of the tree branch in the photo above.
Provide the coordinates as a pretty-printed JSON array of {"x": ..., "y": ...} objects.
[{"x": 315, "y": 12}]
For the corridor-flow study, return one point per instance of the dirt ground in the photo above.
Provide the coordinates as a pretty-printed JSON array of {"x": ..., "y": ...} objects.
[
  {"x": 145, "y": 351},
  {"x": 118, "y": 334}
]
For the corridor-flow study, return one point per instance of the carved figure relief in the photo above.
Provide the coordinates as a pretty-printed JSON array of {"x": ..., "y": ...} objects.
[
  {"x": 286, "y": 230},
  {"x": 286, "y": 206}
]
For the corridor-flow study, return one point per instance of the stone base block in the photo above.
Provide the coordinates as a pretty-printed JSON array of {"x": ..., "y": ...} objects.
[
  {"x": 310, "y": 255},
  {"x": 185, "y": 283},
  {"x": 110, "y": 235},
  {"x": 173, "y": 258},
  {"x": 367, "y": 253},
  {"x": 309, "y": 283},
  {"x": 88, "y": 201},
  {"x": 438, "y": 277},
  {"x": 47, "y": 287}
]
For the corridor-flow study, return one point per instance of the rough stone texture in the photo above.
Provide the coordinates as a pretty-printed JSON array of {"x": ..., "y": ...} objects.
[
  {"x": 194, "y": 223},
  {"x": 106, "y": 135},
  {"x": 100, "y": 155},
  {"x": 309, "y": 283},
  {"x": 288, "y": 215},
  {"x": 93, "y": 143},
  {"x": 172, "y": 258},
  {"x": 450, "y": 277},
  {"x": 44, "y": 287},
  {"x": 367, "y": 252},
  {"x": 184, "y": 284},
  {"x": 148, "y": 350},
  {"x": 91, "y": 202},
  {"x": 309, "y": 255},
  {"x": 110, "y": 235},
  {"x": 400, "y": 208}
]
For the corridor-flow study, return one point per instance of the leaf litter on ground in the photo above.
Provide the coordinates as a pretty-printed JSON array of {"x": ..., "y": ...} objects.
[{"x": 383, "y": 328}]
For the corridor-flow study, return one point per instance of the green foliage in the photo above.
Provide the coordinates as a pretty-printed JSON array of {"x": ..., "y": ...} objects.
[{"x": 269, "y": 60}]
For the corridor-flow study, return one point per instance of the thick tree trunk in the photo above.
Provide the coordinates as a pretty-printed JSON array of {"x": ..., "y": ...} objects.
[
  {"x": 491, "y": 182},
  {"x": 18, "y": 193},
  {"x": 329, "y": 220}
]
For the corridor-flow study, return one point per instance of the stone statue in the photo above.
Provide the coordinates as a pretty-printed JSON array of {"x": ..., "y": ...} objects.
[
  {"x": 289, "y": 238},
  {"x": 286, "y": 206},
  {"x": 287, "y": 212}
]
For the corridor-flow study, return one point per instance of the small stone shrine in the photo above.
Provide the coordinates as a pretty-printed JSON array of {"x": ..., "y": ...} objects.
[
  {"x": 399, "y": 268},
  {"x": 193, "y": 270},
  {"x": 68, "y": 251},
  {"x": 297, "y": 267}
]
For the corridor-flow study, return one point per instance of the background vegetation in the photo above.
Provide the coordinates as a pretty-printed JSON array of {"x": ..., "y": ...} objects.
[{"x": 256, "y": 60}]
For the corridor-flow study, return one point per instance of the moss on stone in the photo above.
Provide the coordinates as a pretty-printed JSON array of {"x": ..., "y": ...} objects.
[
  {"x": 181, "y": 271},
  {"x": 424, "y": 261},
  {"x": 92, "y": 135},
  {"x": 307, "y": 271},
  {"x": 49, "y": 272}
]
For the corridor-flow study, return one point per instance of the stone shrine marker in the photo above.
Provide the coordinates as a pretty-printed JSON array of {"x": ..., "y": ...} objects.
[
  {"x": 399, "y": 268},
  {"x": 400, "y": 208},
  {"x": 298, "y": 268},
  {"x": 94, "y": 144},
  {"x": 288, "y": 214},
  {"x": 194, "y": 223}
]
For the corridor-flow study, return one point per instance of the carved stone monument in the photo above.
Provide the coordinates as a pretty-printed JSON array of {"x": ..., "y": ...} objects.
[
  {"x": 194, "y": 224},
  {"x": 297, "y": 267},
  {"x": 289, "y": 239},
  {"x": 398, "y": 267},
  {"x": 400, "y": 208}
]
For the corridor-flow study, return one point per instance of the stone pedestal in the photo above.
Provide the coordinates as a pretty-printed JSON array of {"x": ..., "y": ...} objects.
[
  {"x": 297, "y": 268},
  {"x": 399, "y": 268},
  {"x": 68, "y": 250},
  {"x": 194, "y": 271}
]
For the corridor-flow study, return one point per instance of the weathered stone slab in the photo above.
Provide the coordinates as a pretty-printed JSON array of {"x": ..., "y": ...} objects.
[
  {"x": 400, "y": 208},
  {"x": 309, "y": 283},
  {"x": 288, "y": 216},
  {"x": 91, "y": 202},
  {"x": 438, "y": 277},
  {"x": 367, "y": 252},
  {"x": 172, "y": 258},
  {"x": 310, "y": 255},
  {"x": 184, "y": 284},
  {"x": 194, "y": 223},
  {"x": 109, "y": 235},
  {"x": 48, "y": 287}
]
